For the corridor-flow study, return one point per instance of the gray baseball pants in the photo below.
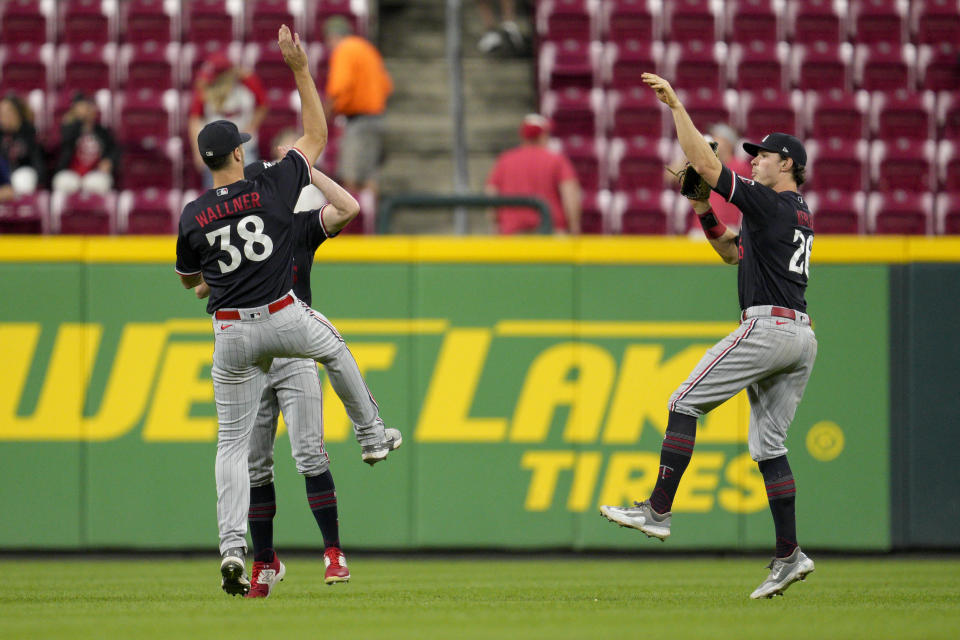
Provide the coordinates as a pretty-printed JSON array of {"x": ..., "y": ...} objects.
[
  {"x": 769, "y": 356},
  {"x": 293, "y": 387},
  {"x": 244, "y": 350}
]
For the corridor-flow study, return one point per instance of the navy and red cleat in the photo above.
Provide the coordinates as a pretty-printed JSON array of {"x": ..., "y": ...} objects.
[{"x": 264, "y": 576}]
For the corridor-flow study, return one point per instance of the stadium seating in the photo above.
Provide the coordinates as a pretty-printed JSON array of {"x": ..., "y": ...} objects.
[
  {"x": 900, "y": 212},
  {"x": 884, "y": 66},
  {"x": 749, "y": 21},
  {"x": 688, "y": 20},
  {"x": 157, "y": 164},
  {"x": 26, "y": 66},
  {"x": 948, "y": 213},
  {"x": 902, "y": 114},
  {"x": 636, "y": 163},
  {"x": 948, "y": 115},
  {"x": 81, "y": 21},
  {"x": 569, "y": 63},
  {"x": 838, "y": 211},
  {"x": 758, "y": 65},
  {"x": 902, "y": 164},
  {"x": 355, "y": 11},
  {"x": 284, "y": 113},
  {"x": 263, "y": 17},
  {"x": 146, "y": 116},
  {"x": 948, "y": 166},
  {"x": 149, "y": 65},
  {"x": 574, "y": 111},
  {"x": 837, "y": 163},
  {"x": 707, "y": 106},
  {"x": 878, "y": 21},
  {"x": 150, "y": 21},
  {"x": 935, "y": 21},
  {"x": 29, "y": 21},
  {"x": 630, "y": 20},
  {"x": 836, "y": 114},
  {"x": 568, "y": 20},
  {"x": 697, "y": 63},
  {"x": 25, "y": 214},
  {"x": 642, "y": 211},
  {"x": 83, "y": 213},
  {"x": 634, "y": 112},
  {"x": 150, "y": 211},
  {"x": 623, "y": 63},
  {"x": 938, "y": 66},
  {"x": 595, "y": 213},
  {"x": 211, "y": 21},
  {"x": 769, "y": 110},
  {"x": 821, "y": 66},
  {"x": 816, "y": 20},
  {"x": 588, "y": 156}
]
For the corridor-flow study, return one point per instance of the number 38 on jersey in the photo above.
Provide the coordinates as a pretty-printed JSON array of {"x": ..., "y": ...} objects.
[{"x": 257, "y": 246}]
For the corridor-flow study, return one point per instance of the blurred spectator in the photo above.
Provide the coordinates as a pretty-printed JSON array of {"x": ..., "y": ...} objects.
[
  {"x": 358, "y": 86},
  {"x": 507, "y": 34},
  {"x": 6, "y": 191},
  {"x": 223, "y": 91},
  {"x": 534, "y": 170},
  {"x": 88, "y": 153},
  {"x": 728, "y": 141},
  {"x": 19, "y": 146}
]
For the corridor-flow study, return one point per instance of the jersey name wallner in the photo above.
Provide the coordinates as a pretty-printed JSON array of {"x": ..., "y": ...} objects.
[{"x": 228, "y": 207}]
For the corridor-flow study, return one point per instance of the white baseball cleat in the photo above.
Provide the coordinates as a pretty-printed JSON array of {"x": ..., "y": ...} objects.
[
  {"x": 641, "y": 517},
  {"x": 783, "y": 573},
  {"x": 232, "y": 572},
  {"x": 374, "y": 453}
]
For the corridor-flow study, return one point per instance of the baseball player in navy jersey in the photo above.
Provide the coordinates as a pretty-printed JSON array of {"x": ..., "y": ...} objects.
[
  {"x": 238, "y": 238},
  {"x": 294, "y": 388},
  {"x": 770, "y": 354}
]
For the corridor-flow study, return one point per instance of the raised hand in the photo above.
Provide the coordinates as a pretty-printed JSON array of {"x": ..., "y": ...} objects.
[
  {"x": 665, "y": 92},
  {"x": 293, "y": 53}
]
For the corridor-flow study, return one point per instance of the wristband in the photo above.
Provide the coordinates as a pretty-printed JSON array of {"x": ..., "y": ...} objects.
[{"x": 712, "y": 227}]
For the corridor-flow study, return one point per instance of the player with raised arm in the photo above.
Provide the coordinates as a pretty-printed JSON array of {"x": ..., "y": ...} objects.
[
  {"x": 770, "y": 354},
  {"x": 238, "y": 238}
]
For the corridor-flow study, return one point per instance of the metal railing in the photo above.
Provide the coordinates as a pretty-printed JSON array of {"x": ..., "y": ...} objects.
[{"x": 434, "y": 201}]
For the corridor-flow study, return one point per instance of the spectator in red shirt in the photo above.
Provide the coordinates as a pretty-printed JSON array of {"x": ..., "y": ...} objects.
[
  {"x": 89, "y": 154},
  {"x": 222, "y": 91},
  {"x": 534, "y": 170}
]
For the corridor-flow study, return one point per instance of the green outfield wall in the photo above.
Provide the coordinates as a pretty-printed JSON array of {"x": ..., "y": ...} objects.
[{"x": 530, "y": 380}]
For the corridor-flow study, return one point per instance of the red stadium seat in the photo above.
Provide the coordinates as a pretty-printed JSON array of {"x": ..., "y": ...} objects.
[
  {"x": 320, "y": 63},
  {"x": 150, "y": 211},
  {"x": 938, "y": 66},
  {"x": 948, "y": 213},
  {"x": 770, "y": 110},
  {"x": 902, "y": 114},
  {"x": 900, "y": 212},
  {"x": 707, "y": 106},
  {"x": 145, "y": 116},
  {"x": 837, "y": 163},
  {"x": 634, "y": 112},
  {"x": 150, "y": 20},
  {"x": 884, "y": 67},
  {"x": 574, "y": 112},
  {"x": 150, "y": 65},
  {"x": 86, "y": 67},
  {"x": 816, "y": 20},
  {"x": 192, "y": 57},
  {"x": 262, "y": 19},
  {"x": 838, "y": 211},
  {"x": 87, "y": 21},
  {"x": 696, "y": 64},
  {"x": 751, "y": 21},
  {"x": 26, "y": 21},
  {"x": 588, "y": 157},
  {"x": 569, "y": 63},
  {"x": 568, "y": 20},
  {"x": 935, "y": 21},
  {"x": 948, "y": 166},
  {"x": 902, "y": 164},
  {"x": 157, "y": 165},
  {"x": 355, "y": 11},
  {"x": 25, "y": 67},
  {"x": 624, "y": 62},
  {"x": 267, "y": 62},
  {"x": 25, "y": 214},
  {"x": 84, "y": 213},
  {"x": 595, "y": 213},
  {"x": 758, "y": 65},
  {"x": 284, "y": 113},
  {"x": 688, "y": 20},
  {"x": 948, "y": 115},
  {"x": 211, "y": 21},
  {"x": 875, "y": 21},
  {"x": 836, "y": 114},
  {"x": 643, "y": 211},
  {"x": 636, "y": 163},
  {"x": 630, "y": 20},
  {"x": 821, "y": 66}
]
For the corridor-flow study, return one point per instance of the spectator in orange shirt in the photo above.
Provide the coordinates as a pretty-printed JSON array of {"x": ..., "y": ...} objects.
[
  {"x": 358, "y": 86},
  {"x": 534, "y": 170}
]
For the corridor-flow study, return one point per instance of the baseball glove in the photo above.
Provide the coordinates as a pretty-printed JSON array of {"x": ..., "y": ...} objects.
[{"x": 693, "y": 186}]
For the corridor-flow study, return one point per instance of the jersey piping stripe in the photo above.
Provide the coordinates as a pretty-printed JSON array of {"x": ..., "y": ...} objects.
[
  {"x": 712, "y": 365},
  {"x": 187, "y": 273},
  {"x": 733, "y": 185},
  {"x": 305, "y": 161},
  {"x": 322, "y": 226}
]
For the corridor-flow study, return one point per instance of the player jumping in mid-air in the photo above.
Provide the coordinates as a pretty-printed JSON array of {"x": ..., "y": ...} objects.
[
  {"x": 294, "y": 388},
  {"x": 770, "y": 355},
  {"x": 238, "y": 238}
]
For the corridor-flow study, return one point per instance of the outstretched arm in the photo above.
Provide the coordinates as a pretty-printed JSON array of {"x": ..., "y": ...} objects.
[
  {"x": 314, "y": 137},
  {"x": 694, "y": 146},
  {"x": 342, "y": 207},
  {"x": 723, "y": 241}
]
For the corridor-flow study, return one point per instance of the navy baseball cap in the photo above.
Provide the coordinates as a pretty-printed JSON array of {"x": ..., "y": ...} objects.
[
  {"x": 219, "y": 138},
  {"x": 782, "y": 143}
]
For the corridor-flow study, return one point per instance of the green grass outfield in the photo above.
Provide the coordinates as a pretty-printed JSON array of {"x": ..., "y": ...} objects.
[{"x": 482, "y": 597}]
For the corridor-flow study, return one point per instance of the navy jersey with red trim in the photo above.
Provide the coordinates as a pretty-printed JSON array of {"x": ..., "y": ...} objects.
[
  {"x": 308, "y": 234},
  {"x": 775, "y": 241},
  {"x": 240, "y": 236}
]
